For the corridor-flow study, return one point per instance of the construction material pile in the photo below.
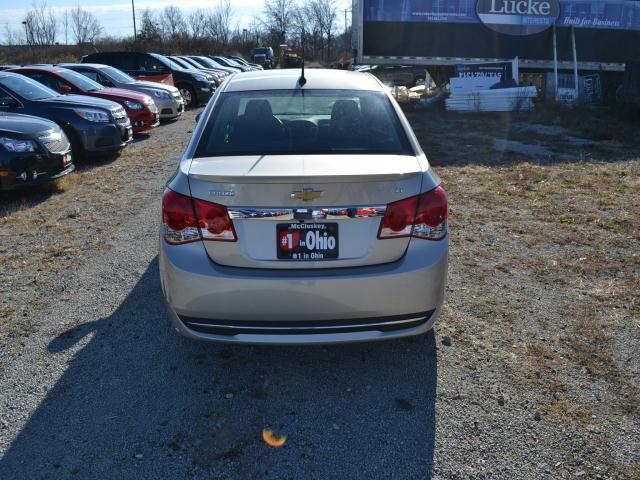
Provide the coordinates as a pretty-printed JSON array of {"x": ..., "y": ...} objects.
[{"x": 496, "y": 100}]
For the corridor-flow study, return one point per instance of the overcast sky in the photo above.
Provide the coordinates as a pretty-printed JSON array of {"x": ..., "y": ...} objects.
[{"x": 115, "y": 15}]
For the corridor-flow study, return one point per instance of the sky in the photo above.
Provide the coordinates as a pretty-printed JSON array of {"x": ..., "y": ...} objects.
[{"x": 115, "y": 15}]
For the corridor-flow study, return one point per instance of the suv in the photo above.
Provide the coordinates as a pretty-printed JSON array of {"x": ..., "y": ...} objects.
[
  {"x": 194, "y": 86},
  {"x": 93, "y": 125}
]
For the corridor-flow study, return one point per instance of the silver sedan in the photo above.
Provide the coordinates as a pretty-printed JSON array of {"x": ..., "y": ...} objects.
[{"x": 303, "y": 211}]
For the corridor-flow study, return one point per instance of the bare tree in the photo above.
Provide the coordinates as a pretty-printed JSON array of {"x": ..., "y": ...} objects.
[
  {"x": 279, "y": 17},
  {"x": 150, "y": 30},
  {"x": 11, "y": 36},
  {"x": 85, "y": 26},
  {"x": 65, "y": 25},
  {"x": 218, "y": 22},
  {"x": 198, "y": 23},
  {"x": 172, "y": 22},
  {"x": 40, "y": 25}
]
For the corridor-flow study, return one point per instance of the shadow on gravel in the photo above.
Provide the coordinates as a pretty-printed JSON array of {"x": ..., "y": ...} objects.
[{"x": 138, "y": 401}]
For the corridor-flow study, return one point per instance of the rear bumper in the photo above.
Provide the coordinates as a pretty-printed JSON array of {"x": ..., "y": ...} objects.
[{"x": 210, "y": 302}]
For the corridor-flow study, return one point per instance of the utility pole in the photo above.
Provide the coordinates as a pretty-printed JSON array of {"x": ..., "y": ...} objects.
[{"x": 135, "y": 30}]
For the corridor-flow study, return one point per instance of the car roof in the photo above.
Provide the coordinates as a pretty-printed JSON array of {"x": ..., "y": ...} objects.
[
  {"x": 41, "y": 68},
  {"x": 83, "y": 65},
  {"x": 317, "y": 79}
]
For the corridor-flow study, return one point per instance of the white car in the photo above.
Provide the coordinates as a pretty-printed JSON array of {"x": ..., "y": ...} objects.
[{"x": 303, "y": 211}]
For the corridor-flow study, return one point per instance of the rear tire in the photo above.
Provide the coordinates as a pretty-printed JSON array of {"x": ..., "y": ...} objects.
[{"x": 188, "y": 95}]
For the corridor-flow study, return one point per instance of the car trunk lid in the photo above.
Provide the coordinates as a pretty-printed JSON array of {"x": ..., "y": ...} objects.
[{"x": 263, "y": 192}]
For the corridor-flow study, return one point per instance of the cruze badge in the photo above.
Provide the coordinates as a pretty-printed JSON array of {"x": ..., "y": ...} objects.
[
  {"x": 222, "y": 193},
  {"x": 307, "y": 194}
]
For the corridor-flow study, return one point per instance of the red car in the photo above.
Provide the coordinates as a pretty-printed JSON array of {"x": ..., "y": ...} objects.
[{"x": 140, "y": 107}]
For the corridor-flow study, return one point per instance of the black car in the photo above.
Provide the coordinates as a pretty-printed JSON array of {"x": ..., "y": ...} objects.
[
  {"x": 195, "y": 87},
  {"x": 93, "y": 125},
  {"x": 32, "y": 150}
]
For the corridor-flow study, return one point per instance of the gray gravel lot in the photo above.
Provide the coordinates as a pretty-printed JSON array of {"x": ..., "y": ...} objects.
[{"x": 99, "y": 386}]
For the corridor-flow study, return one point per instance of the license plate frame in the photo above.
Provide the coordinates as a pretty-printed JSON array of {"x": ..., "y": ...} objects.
[{"x": 310, "y": 242}]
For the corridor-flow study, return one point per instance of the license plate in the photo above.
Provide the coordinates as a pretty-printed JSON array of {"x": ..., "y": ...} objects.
[
  {"x": 307, "y": 241},
  {"x": 130, "y": 132}
]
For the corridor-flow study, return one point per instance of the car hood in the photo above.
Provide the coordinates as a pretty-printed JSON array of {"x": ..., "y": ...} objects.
[
  {"x": 122, "y": 94},
  {"x": 156, "y": 86},
  {"x": 81, "y": 101},
  {"x": 24, "y": 126}
]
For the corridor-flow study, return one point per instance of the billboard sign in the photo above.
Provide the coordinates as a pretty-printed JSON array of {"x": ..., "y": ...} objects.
[
  {"x": 518, "y": 17},
  {"x": 515, "y": 15}
]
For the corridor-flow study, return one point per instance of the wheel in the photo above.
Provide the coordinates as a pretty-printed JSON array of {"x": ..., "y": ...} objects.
[{"x": 188, "y": 95}]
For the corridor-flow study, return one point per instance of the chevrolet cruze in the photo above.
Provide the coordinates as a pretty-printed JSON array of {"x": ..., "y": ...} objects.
[{"x": 303, "y": 211}]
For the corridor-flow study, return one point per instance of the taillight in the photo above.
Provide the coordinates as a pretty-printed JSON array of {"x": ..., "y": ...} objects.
[
  {"x": 214, "y": 221},
  {"x": 422, "y": 216},
  {"x": 186, "y": 219}
]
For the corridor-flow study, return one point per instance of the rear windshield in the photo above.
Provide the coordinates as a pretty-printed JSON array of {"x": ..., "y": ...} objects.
[{"x": 310, "y": 121}]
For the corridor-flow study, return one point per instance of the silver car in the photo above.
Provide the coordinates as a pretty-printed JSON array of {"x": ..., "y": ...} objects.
[
  {"x": 303, "y": 211},
  {"x": 167, "y": 98}
]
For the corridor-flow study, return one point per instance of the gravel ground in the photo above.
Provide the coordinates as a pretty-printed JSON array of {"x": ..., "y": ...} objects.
[{"x": 532, "y": 372}]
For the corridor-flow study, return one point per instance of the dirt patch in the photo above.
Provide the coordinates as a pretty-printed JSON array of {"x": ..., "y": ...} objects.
[{"x": 545, "y": 279}]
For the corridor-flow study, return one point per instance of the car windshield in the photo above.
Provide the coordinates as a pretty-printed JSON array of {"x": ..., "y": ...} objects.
[
  {"x": 26, "y": 88},
  {"x": 80, "y": 81},
  {"x": 167, "y": 62},
  {"x": 206, "y": 61},
  {"x": 117, "y": 75},
  {"x": 187, "y": 63},
  {"x": 303, "y": 122}
]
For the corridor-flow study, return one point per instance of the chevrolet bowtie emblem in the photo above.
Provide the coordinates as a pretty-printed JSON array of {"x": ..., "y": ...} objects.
[{"x": 307, "y": 194}]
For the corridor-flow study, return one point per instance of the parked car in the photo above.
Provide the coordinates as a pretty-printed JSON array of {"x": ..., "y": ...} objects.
[
  {"x": 92, "y": 125},
  {"x": 282, "y": 263},
  {"x": 186, "y": 64},
  {"x": 32, "y": 150},
  {"x": 244, "y": 62},
  {"x": 209, "y": 63},
  {"x": 194, "y": 86},
  {"x": 230, "y": 63},
  {"x": 263, "y": 56},
  {"x": 140, "y": 108},
  {"x": 141, "y": 66},
  {"x": 167, "y": 98}
]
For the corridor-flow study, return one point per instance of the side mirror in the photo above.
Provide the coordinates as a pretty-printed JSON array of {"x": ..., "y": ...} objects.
[
  {"x": 8, "y": 102},
  {"x": 64, "y": 89},
  {"x": 198, "y": 117}
]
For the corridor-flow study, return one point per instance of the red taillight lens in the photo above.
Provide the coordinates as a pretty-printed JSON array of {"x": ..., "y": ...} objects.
[
  {"x": 214, "y": 221},
  {"x": 431, "y": 217},
  {"x": 422, "y": 216},
  {"x": 178, "y": 219},
  {"x": 186, "y": 220},
  {"x": 398, "y": 219}
]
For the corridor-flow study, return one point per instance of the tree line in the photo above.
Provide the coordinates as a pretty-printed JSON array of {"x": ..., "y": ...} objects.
[{"x": 314, "y": 23}]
